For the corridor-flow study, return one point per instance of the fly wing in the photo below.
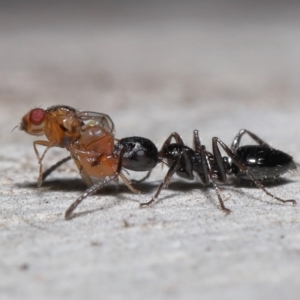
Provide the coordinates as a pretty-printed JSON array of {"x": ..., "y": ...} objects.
[{"x": 100, "y": 119}]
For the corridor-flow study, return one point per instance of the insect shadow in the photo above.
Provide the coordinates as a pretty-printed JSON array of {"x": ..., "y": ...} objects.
[{"x": 77, "y": 185}]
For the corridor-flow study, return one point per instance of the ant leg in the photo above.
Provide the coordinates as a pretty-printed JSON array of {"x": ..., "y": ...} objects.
[
  {"x": 127, "y": 182},
  {"x": 226, "y": 210},
  {"x": 208, "y": 174},
  {"x": 206, "y": 157},
  {"x": 236, "y": 141},
  {"x": 197, "y": 143},
  {"x": 54, "y": 167},
  {"x": 143, "y": 179},
  {"x": 244, "y": 168},
  {"x": 165, "y": 182},
  {"x": 201, "y": 149},
  {"x": 40, "y": 158},
  {"x": 93, "y": 189},
  {"x": 176, "y": 137},
  {"x": 259, "y": 185},
  {"x": 231, "y": 154}
]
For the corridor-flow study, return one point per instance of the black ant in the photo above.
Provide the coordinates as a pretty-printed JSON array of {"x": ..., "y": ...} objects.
[{"x": 256, "y": 163}]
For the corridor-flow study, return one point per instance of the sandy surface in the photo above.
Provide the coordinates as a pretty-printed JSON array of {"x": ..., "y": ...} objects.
[{"x": 154, "y": 69}]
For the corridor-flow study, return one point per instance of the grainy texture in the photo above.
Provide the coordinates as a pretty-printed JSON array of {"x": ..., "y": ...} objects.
[{"x": 154, "y": 69}]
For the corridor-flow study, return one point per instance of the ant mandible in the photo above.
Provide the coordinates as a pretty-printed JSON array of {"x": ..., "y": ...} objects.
[{"x": 256, "y": 163}]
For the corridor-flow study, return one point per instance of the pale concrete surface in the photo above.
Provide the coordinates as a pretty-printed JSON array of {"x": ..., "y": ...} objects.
[{"x": 155, "y": 69}]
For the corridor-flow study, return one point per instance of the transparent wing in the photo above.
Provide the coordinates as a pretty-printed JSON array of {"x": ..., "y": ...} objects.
[{"x": 100, "y": 119}]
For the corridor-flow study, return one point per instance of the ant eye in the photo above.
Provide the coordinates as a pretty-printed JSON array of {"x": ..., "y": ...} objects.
[{"x": 37, "y": 116}]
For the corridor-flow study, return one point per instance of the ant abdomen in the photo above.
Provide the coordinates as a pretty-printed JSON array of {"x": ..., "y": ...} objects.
[
  {"x": 140, "y": 153},
  {"x": 262, "y": 162}
]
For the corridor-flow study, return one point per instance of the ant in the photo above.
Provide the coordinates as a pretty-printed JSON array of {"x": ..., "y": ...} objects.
[
  {"x": 62, "y": 126},
  {"x": 254, "y": 163}
]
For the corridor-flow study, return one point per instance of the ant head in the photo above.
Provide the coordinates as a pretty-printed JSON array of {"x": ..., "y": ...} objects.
[{"x": 33, "y": 122}]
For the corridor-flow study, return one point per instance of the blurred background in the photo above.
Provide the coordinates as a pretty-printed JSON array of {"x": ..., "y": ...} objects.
[{"x": 155, "y": 67}]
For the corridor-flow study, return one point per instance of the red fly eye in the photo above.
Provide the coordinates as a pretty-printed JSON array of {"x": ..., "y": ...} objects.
[{"x": 37, "y": 116}]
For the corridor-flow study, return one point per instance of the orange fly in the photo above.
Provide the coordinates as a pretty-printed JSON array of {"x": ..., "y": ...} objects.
[{"x": 62, "y": 126}]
